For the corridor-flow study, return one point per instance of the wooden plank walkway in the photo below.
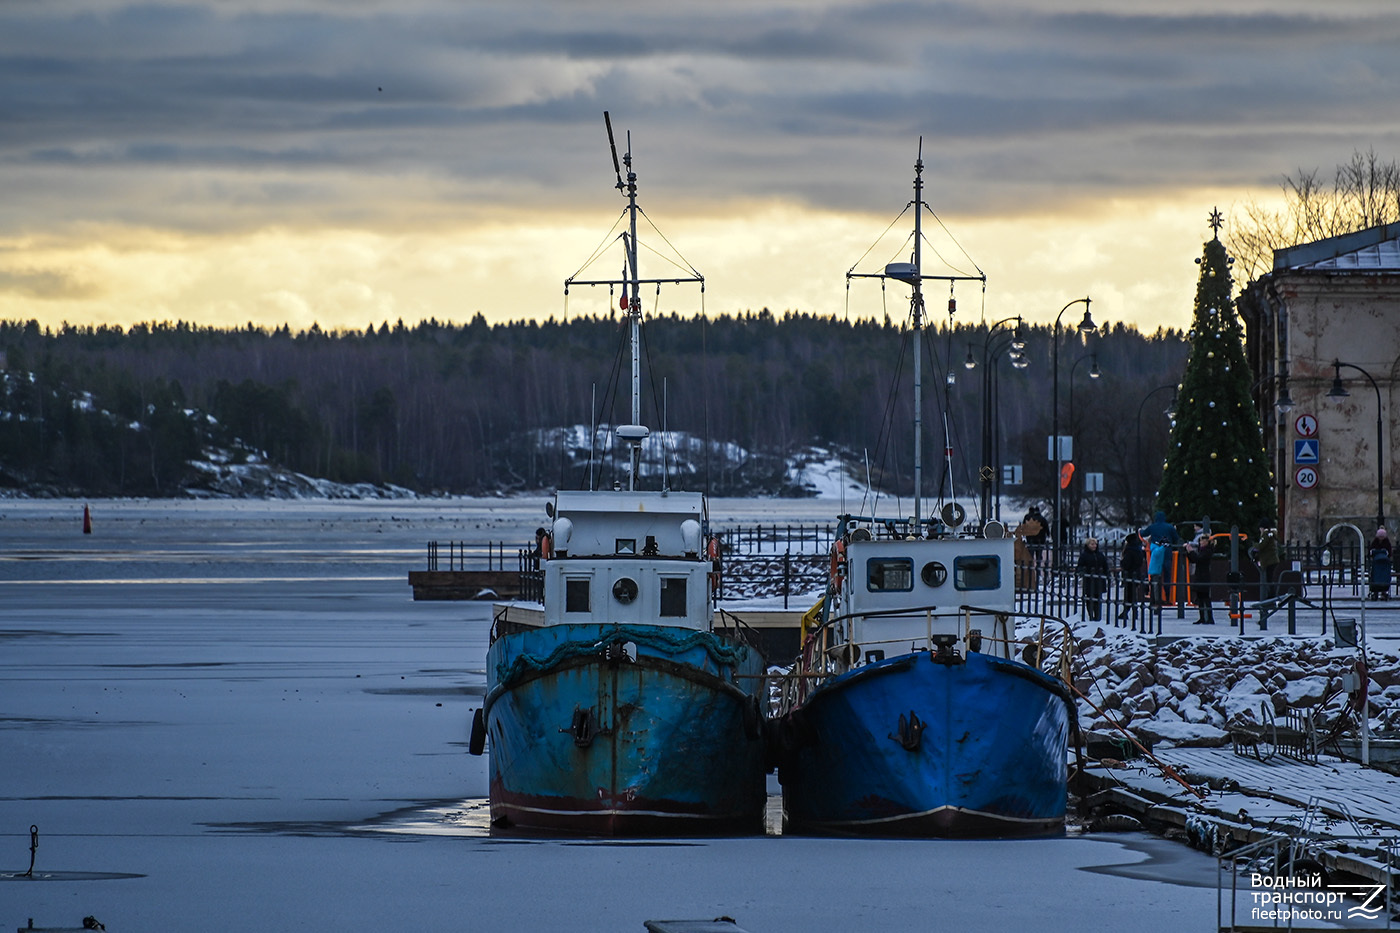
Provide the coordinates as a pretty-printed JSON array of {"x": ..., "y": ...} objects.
[{"x": 1365, "y": 792}]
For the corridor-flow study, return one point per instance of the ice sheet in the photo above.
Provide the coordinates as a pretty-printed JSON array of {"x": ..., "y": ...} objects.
[{"x": 276, "y": 742}]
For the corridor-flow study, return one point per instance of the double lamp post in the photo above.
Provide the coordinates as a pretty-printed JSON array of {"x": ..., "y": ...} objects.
[{"x": 1086, "y": 326}]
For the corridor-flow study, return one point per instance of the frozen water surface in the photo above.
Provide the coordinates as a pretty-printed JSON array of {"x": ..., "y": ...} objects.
[{"x": 240, "y": 704}]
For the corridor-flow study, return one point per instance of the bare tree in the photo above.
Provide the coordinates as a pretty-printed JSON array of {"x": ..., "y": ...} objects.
[{"x": 1365, "y": 193}]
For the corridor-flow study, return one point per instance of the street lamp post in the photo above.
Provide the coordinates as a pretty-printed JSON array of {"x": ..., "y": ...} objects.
[
  {"x": 1142, "y": 405},
  {"x": 1282, "y": 404},
  {"x": 1094, "y": 373},
  {"x": 1018, "y": 361},
  {"x": 1339, "y": 391},
  {"x": 1016, "y": 342},
  {"x": 1085, "y": 326}
]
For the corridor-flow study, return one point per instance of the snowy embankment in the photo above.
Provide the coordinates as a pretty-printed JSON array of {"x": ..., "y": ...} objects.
[
  {"x": 1190, "y": 691},
  {"x": 256, "y": 478}
]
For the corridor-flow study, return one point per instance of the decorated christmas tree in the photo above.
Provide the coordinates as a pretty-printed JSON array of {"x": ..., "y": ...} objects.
[{"x": 1216, "y": 466}]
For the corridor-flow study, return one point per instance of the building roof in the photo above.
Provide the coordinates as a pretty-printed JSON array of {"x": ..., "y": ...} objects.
[{"x": 1373, "y": 250}]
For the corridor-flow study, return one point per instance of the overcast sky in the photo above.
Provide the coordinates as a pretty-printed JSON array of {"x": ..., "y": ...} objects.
[{"x": 349, "y": 162}]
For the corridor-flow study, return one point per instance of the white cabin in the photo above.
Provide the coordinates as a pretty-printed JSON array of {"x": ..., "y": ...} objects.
[
  {"x": 628, "y": 557},
  {"x": 898, "y": 593}
]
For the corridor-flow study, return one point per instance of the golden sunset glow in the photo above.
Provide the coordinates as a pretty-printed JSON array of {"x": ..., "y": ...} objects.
[{"x": 345, "y": 164}]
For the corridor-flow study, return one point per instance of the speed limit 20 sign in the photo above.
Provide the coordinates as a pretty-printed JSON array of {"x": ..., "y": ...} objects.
[{"x": 1306, "y": 477}]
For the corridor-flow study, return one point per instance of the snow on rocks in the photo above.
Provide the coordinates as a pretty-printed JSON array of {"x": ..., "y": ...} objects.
[
  {"x": 218, "y": 476},
  {"x": 1182, "y": 733},
  {"x": 1243, "y": 701},
  {"x": 1305, "y": 691},
  {"x": 1191, "y": 690}
]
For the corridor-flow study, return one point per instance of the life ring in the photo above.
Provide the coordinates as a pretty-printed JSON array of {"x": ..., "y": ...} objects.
[
  {"x": 712, "y": 548},
  {"x": 1363, "y": 683},
  {"x": 546, "y": 547},
  {"x": 838, "y": 564}
]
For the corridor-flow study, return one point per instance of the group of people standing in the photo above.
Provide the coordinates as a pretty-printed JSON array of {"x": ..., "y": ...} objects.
[{"x": 1143, "y": 562}]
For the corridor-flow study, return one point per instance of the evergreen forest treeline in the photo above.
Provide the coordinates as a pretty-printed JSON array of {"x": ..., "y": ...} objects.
[{"x": 455, "y": 407}]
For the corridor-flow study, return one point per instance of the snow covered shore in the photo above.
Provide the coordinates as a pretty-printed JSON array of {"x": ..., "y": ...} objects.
[{"x": 1190, "y": 690}]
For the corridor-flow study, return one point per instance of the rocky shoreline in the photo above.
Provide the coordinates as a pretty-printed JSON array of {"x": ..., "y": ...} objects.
[{"x": 1191, "y": 691}]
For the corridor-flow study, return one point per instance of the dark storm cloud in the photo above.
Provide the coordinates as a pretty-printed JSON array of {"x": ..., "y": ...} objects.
[
  {"x": 1021, "y": 104},
  {"x": 46, "y": 285}
]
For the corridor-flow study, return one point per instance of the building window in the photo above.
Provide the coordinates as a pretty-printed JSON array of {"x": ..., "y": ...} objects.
[
  {"x": 889, "y": 575},
  {"x": 977, "y": 573},
  {"x": 576, "y": 596},
  {"x": 673, "y": 596}
]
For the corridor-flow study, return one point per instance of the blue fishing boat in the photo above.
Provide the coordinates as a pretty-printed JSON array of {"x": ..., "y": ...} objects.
[
  {"x": 616, "y": 707},
  {"x": 914, "y": 709}
]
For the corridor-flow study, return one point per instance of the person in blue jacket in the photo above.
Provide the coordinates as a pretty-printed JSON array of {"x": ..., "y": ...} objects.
[{"x": 1162, "y": 536}]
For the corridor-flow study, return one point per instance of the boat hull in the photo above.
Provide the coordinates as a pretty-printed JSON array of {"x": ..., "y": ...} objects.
[
  {"x": 625, "y": 730},
  {"x": 913, "y": 747}
]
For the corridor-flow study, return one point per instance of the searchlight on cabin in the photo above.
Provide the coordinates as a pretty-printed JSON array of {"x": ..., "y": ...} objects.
[
  {"x": 563, "y": 532},
  {"x": 690, "y": 537}
]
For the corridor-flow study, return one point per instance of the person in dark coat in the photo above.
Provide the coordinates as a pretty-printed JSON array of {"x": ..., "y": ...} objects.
[
  {"x": 1266, "y": 554},
  {"x": 1038, "y": 543},
  {"x": 1199, "y": 552},
  {"x": 1381, "y": 551},
  {"x": 1133, "y": 564},
  {"x": 1093, "y": 568}
]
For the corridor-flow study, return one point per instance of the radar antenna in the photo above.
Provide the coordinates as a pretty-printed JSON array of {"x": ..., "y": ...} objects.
[{"x": 613, "y": 146}]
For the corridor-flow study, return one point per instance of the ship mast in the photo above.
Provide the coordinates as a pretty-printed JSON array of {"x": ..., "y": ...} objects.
[
  {"x": 631, "y": 281},
  {"x": 912, "y": 274},
  {"x": 916, "y": 313},
  {"x": 635, "y": 433}
]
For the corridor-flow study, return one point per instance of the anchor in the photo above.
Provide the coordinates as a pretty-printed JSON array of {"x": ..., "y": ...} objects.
[
  {"x": 583, "y": 727},
  {"x": 911, "y": 731}
]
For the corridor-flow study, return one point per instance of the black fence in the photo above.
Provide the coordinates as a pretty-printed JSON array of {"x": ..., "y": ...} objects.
[{"x": 792, "y": 562}]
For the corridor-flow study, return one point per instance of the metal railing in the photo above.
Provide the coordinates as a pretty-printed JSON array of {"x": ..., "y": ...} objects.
[
  {"x": 1290, "y": 885},
  {"x": 468, "y": 555},
  {"x": 791, "y": 561}
]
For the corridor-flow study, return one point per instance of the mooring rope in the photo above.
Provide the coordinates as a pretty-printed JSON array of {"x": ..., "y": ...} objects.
[{"x": 524, "y": 664}]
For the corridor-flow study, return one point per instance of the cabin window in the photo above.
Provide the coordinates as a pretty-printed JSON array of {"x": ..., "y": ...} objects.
[
  {"x": 624, "y": 590},
  {"x": 977, "y": 573},
  {"x": 889, "y": 574},
  {"x": 673, "y": 596},
  {"x": 934, "y": 574},
  {"x": 626, "y": 546},
  {"x": 576, "y": 596}
]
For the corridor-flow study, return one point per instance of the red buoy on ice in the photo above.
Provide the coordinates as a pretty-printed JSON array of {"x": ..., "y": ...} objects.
[{"x": 87, "y": 521}]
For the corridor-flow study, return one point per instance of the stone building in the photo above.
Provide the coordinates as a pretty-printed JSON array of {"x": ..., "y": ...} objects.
[{"x": 1332, "y": 301}]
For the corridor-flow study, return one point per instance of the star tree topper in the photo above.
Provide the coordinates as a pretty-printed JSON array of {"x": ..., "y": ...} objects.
[{"x": 1216, "y": 221}]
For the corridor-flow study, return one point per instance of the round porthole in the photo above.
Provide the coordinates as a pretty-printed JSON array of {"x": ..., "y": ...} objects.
[
  {"x": 934, "y": 574},
  {"x": 625, "y": 590}
]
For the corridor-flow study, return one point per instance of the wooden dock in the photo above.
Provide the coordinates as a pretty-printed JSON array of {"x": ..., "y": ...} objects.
[{"x": 464, "y": 584}]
